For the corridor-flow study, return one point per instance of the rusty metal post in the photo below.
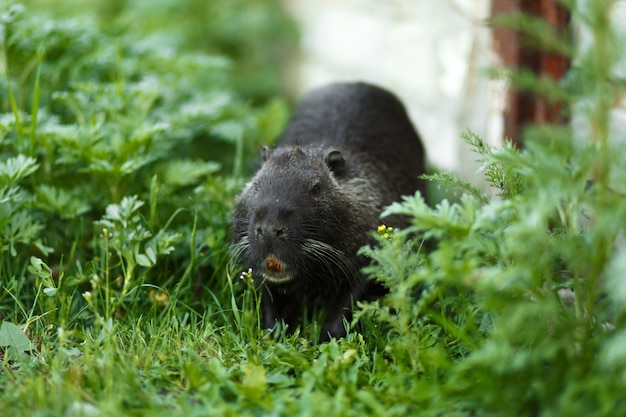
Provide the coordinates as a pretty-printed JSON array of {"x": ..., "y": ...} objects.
[{"x": 524, "y": 107}]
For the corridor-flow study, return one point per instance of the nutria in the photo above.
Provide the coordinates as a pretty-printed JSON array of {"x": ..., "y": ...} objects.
[{"x": 348, "y": 151}]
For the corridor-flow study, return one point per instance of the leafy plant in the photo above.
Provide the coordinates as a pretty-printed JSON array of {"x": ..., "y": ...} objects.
[
  {"x": 520, "y": 289},
  {"x": 256, "y": 35}
]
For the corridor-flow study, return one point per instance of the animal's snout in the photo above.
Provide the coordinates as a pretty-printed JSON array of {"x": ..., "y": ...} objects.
[
  {"x": 270, "y": 230},
  {"x": 272, "y": 220}
]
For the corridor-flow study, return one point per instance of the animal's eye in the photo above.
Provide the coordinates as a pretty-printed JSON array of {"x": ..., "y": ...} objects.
[{"x": 316, "y": 188}]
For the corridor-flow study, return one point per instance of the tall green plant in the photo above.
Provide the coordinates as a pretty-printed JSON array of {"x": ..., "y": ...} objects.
[
  {"x": 518, "y": 309},
  {"x": 119, "y": 160}
]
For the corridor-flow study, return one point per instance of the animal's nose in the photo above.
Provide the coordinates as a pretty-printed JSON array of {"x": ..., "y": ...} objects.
[{"x": 271, "y": 230}]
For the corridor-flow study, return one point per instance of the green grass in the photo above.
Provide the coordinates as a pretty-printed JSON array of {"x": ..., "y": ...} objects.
[{"x": 120, "y": 158}]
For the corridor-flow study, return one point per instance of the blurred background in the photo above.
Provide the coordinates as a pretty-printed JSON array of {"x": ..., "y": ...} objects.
[{"x": 435, "y": 55}]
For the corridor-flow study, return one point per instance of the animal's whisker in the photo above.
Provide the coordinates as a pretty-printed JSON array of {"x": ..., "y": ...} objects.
[{"x": 330, "y": 256}]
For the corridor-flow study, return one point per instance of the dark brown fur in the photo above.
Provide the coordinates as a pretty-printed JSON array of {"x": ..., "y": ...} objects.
[{"x": 348, "y": 151}]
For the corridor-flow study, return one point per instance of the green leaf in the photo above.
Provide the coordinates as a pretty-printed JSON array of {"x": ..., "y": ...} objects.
[
  {"x": 229, "y": 130},
  {"x": 147, "y": 260},
  {"x": 16, "y": 168},
  {"x": 66, "y": 204},
  {"x": 13, "y": 194},
  {"x": 181, "y": 173},
  {"x": 21, "y": 228},
  {"x": 254, "y": 381},
  {"x": 125, "y": 211},
  {"x": 143, "y": 260},
  {"x": 50, "y": 291},
  {"x": 12, "y": 336}
]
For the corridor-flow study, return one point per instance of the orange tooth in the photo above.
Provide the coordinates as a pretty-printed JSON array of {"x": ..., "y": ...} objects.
[{"x": 273, "y": 264}]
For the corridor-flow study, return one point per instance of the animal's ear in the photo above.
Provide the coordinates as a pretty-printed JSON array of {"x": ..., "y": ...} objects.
[
  {"x": 336, "y": 162},
  {"x": 266, "y": 152}
]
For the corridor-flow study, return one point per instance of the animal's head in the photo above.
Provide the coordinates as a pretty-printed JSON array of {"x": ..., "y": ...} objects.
[{"x": 288, "y": 220}]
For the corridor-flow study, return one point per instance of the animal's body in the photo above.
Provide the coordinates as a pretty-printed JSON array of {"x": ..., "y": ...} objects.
[{"x": 348, "y": 151}]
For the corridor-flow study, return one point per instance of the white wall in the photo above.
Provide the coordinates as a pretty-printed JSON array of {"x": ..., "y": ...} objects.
[{"x": 431, "y": 53}]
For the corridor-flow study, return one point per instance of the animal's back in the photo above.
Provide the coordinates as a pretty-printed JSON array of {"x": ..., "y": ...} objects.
[{"x": 367, "y": 122}]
